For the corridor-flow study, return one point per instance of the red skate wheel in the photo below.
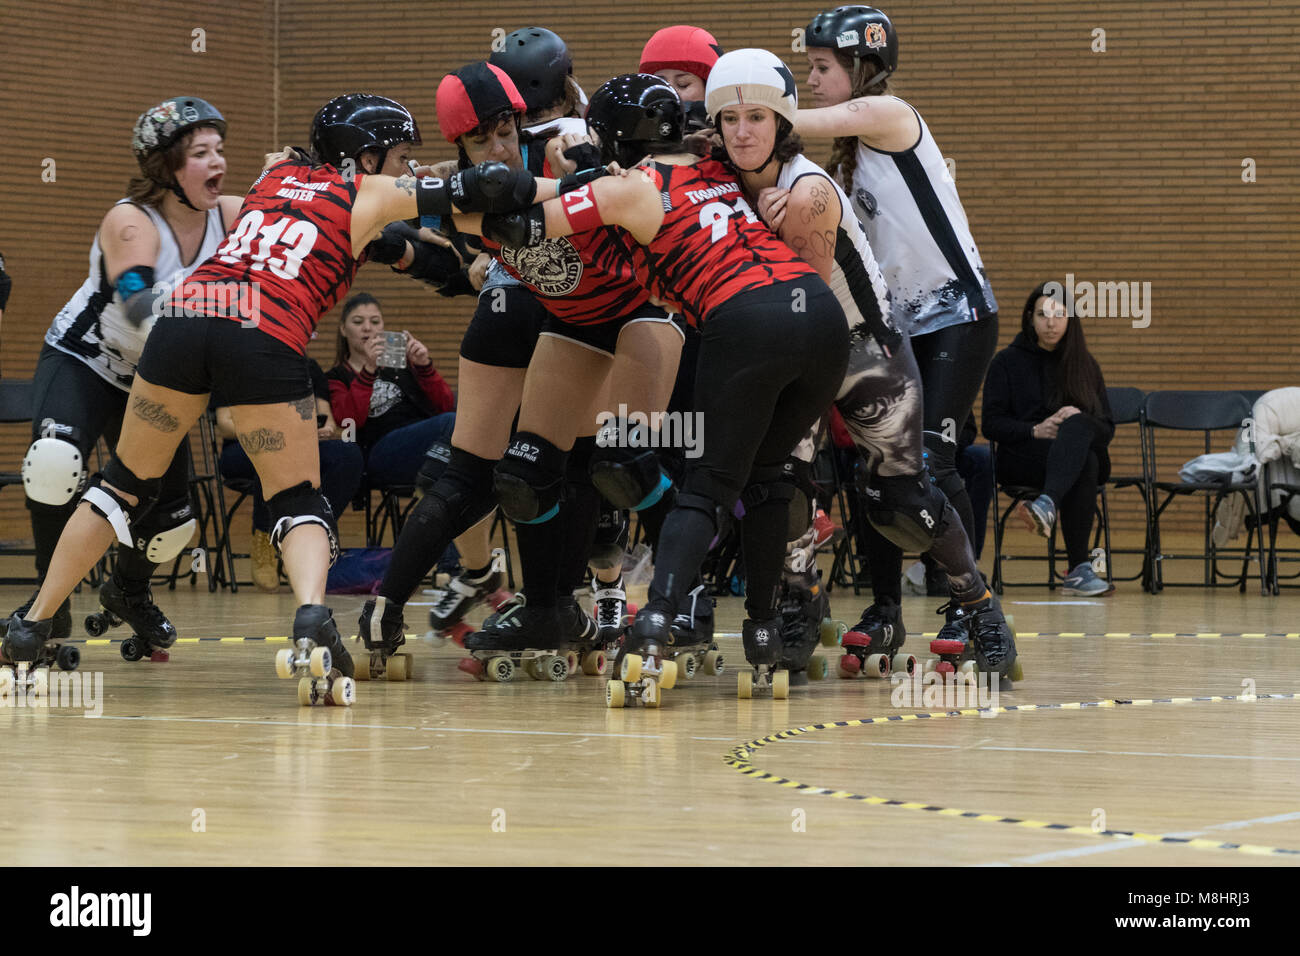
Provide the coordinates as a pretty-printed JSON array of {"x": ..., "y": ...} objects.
[
  {"x": 498, "y": 598},
  {"x": 159, "y": 656},
  {"x": 855, "y": 639},
  {"x": 459, "y": 631},
  {"x": 943, "y": 667},
  {"x": 631, "y": 610},
  {"x": 850, "y": 666},
  {"x": 947, "y": 647},
  {"x": 472, "y": 666}
]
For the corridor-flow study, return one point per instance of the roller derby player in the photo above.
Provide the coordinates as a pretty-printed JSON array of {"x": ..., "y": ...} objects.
[{"x": 315, "y": 223}]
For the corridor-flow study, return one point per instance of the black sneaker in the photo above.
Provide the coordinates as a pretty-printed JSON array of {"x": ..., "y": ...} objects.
[{"x": 519, "y": 627}]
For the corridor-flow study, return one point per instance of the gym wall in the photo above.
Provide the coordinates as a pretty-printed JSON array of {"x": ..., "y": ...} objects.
[{"x": 1127, "y": 165}]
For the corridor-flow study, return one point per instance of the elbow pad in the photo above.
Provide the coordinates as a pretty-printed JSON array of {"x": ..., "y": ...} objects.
[
  {"x": 432, "y": 264},
  {"x": 525, "y": 228},
  {"x": 390, "y": 246},
  {"x": 136, "y": 288}
]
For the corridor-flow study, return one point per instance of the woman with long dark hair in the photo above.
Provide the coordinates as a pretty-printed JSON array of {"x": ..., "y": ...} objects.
[{"x": 1045, "y": 405}]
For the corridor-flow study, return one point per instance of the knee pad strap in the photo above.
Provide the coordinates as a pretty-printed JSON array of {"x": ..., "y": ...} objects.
[{"x": 302, "y": 504}]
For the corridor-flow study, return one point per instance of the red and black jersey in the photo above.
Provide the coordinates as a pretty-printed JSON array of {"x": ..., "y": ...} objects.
[
  {"x": 584, "y": 279},
  {"x": 290, "y": 253},
  {"x": 711, "y": 245}
]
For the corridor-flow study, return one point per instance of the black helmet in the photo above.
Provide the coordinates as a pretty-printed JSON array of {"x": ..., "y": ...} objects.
[
  {"x": 354, "y": 122},
  {"x": 861, "y": 32},
  {"x": 538, "y": 61},
  {"x": 161, "y": 125},
  {"x": 636, "y": 114}
]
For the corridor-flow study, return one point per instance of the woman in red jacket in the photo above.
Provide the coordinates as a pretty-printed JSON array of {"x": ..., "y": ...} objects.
[{"x": 398, "y": 411}]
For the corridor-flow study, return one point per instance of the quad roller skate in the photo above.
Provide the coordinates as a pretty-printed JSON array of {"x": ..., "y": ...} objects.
[
  {"x": 318, "y": 659},
  {"x": 763, "y": 653},
  {"x": 872, "y": 647},
  {"x": 28, "y": 652},
  {"x": 610, "y": 609},
  {"x": 151, "y": 634},
  {"x": 643, "y": 666},
  {"x": 463, "y": 594},
  {"x": 691, "y": 641},
  {"x": 805, "y": 621},
  {"x": 593, "y": 645},
  {"x": 975, "y": 639},
  {"x": 382, "y": 660},
  {"x": 61, "y": 622},
  {"x": 520, "y": 637}
]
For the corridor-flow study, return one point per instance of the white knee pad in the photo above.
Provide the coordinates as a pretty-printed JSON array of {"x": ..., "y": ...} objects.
[{"x": 53, "y": 471}]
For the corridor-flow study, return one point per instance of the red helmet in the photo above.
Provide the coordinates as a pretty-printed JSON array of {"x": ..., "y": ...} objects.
[
  {"x": 470, "y": 96},
  {"x": 690, "y": 49}
]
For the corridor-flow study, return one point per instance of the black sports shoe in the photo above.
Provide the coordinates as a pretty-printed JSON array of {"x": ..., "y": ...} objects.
[{"x": 519, "y": 626}]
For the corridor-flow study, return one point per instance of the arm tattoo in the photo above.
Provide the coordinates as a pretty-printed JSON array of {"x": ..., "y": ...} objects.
[
  {"x": 305, "y": 407},
  {"x": 153, "y": 413},
  {"x": 406, "y": 184},
  {"x": 263, "y": 439}
]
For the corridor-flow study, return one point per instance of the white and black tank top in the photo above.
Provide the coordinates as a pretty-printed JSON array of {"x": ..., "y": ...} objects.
[
  {"x": 907, "y": 203},
  {"x": 93, "y": 326}
]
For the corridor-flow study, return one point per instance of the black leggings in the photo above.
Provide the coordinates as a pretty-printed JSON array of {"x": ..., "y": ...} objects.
[
  {"x": 70, "y": 400},
  {"x": 1069, "y": 468},
  {"x": 765, "y": 373},
  {"x": 952, "y": 363}
]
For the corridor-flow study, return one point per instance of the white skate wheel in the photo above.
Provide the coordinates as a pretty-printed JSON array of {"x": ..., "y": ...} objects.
[
  {"x": 668, "y": 677},
  {"x": 395, "y": 669},
  {"x": 1016, "y": 672},
  {"x": 343, "y": 692},
  {"x": 902, "y": 664},
  {"x": 409, "y": 663},
  {"x": 816, "y": 667},
  {"x": 320, "y": 661},
  {"x": 593, "y": 663},
  {"x": 284, "y": 663},
  {"x": 630, "y": 669},
  {"x": 713, "y": 663},
  {"x": 688, "y": 666},
  {"x": 554, "y": 668},
  {"x": 744, "y": 685},
  {"x": 781, "y": 685},
  {"x": 615, "y": 694},
  {"x": 876, "y": 665},
  {"x": 501, "y": 669},
  {"x": 306, "y": 692}
]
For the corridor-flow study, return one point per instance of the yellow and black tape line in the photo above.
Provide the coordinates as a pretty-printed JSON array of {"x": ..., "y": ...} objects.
[{"x": 740, "y": 759}]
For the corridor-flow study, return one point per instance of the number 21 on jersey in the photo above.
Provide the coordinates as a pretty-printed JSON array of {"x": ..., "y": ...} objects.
[{"x": 717, "y": 215}]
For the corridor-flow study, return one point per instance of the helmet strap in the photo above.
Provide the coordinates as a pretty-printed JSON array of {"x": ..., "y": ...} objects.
[{"x": 175, "y": 187}]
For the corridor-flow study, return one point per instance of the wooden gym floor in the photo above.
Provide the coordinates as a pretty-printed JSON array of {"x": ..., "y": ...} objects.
[{"x": 208, "y": 759}]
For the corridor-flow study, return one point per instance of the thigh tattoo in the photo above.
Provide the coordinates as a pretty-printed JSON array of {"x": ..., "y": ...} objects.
[
  {"x": 305, "y": 407},
  {"x": 153, "y": 413},
  {"x": 260, "y": 440}
]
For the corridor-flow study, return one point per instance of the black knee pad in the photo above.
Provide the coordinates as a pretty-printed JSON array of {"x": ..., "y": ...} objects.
[
  {"x": 164, "y": 532},
  {"x": 908, "y": 510},
  {"x": 434, "y": 465},
  {"x": 628, "y": 477},
  {"x": 941, "y": 461},
  {"x": 719, "y": 515},
  {"x": 611, "y": 538},
  {"x": 461, "y": 497},
  {"x": 115, "y": 509},
  {"x": 529, "y": 479},
  {"x": 302, "y": 504},
  {"x": 775, "y": 483}
]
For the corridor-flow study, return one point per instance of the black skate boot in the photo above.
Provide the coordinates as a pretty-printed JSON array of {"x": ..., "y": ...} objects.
[
  {"x": 25, "y": 641},
  {"x": 872, "y": 646},
  {"x": 318, "y": 658},
  {"x": 693, "y": 647},
  {"x": 976, "y": 637},
  {"x": 764, "y": 649},
  {"x": 151, "y": 634},
  {"x": 519, "y": 635},
  {"x": 463, "y": 594},
  {"x": 587, "y": 647},
  {"x": 643, "y": 668},
  {"x": 61, "y": 622},
  {"x": 382, "y": 659},
  {"x": 610, "y": 610},
  {"x": 30, "y": 650},
  {"x": 804, "y": 610}
]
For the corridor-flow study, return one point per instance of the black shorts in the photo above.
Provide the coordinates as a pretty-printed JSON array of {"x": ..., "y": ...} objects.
[
  {"x": 603, "y": 336},
  {"x": 504, "y": 329},
  {"x": 202, "y": 355}
]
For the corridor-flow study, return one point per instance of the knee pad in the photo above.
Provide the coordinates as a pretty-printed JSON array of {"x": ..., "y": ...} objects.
[
  {"x": 627, "y": 477},
  {"x": 777, "y": 484},
  {"x": 299, "y": 505},
  {"x": 941, "y": 460},
  {"x": 432, "y": 467},
  {"x": 529, "y": 479},
  {"x": 611, "y": 539},
  {"x": 460, "y": 499},
  {"x": 54, "y": 470},
  {"x": 164, "y": 533},
  {"x": 908, "y": 510},
  {"x": 719, "y": 515},
  {"x": 103, "y": 497}
]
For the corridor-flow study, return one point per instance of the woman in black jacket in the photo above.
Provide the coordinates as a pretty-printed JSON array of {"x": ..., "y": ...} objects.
[{"x": 1045, "y": 405}]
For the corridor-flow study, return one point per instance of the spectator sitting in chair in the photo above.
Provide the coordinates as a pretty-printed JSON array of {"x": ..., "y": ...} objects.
[
  {"x": 341, "y": 466},
  {"x": 399, "y": 403},
  {"x": 1045, "y": 406}
]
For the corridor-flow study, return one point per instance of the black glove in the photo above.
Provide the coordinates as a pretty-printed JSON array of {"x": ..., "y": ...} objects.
[
  {"x": 698, "y": 119},
  {"x": 585, "y": 155},
  {"x": 433, "y": 264},
  {"x": 492, "y": 187}
]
